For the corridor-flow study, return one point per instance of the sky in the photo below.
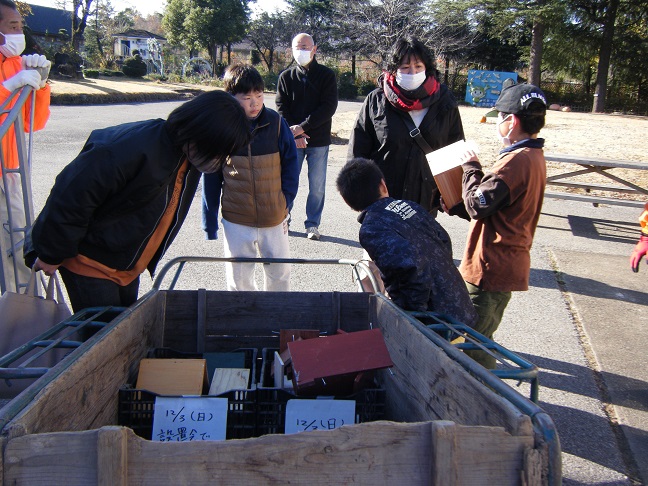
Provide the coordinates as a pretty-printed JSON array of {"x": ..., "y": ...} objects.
[{"x": 147, "y": 7}]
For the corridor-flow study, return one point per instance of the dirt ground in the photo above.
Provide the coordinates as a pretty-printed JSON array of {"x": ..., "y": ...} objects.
[{"x": 615, "y": 137}]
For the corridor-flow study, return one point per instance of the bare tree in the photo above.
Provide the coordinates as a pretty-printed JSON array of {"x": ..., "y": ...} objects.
[
  {"x": 80, "y": 13},
  {"x": 268, "y": 33},
  {"x": 370, "y": 28}
]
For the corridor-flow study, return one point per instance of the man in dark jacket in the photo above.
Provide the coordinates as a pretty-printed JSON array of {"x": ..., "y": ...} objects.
[
  {"x": 410, "y": 248},
  {"x": 115, "y": 209},
  {"x": 307, "y": 99}
]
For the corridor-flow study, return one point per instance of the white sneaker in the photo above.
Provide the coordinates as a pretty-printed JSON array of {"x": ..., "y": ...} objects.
[{"x": 312, "y": 233}]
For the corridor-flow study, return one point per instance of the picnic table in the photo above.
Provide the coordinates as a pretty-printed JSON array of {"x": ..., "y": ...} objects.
[{"x": 598, "y": 166}]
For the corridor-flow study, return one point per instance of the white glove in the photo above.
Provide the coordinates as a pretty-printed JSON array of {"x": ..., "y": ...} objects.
[
  {"x": 34, "y": 61},
  {"x": 38, "y": 62},
  {"x": 23, "y": 78}
]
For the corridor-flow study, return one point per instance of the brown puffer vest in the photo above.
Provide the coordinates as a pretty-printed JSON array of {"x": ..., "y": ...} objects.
[{"x": 252, "y": 193}]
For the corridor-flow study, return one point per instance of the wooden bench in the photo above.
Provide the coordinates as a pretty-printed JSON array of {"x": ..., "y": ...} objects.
[{"x": 598, "y": 166}]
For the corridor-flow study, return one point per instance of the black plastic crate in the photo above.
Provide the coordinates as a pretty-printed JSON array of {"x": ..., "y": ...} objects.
[
  {"x": 136, "y": 407},
  {"x": 271, "y": 402}
]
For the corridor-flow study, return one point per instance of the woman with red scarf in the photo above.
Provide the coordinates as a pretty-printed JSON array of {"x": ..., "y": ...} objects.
[{"x": 409, "y": 100}]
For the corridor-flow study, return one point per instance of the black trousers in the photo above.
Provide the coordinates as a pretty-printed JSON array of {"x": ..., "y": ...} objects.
[{"x": 86, "y": 292}]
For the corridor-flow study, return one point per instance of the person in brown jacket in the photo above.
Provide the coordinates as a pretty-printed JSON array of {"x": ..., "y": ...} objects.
[
  {"x": 504, "y": 207},
  {"x": 254, "y": 190}
]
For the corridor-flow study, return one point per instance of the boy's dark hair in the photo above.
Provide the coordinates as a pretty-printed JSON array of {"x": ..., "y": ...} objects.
[
  {"x": 532, "y": 119},
  {"x": 409, "y": 46},
  {"x": 359, "y": 183},
  {"x": 213, "y": 122},
  {"x": 240, "y": 78}
]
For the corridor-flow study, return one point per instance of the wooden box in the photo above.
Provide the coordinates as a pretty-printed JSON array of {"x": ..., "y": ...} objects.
[
  {"x": 332, "y": 365},
  {"x": 444, "y": 425}
]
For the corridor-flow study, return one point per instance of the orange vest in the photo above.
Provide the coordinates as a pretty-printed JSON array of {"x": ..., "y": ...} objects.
[
  {"x": 9, "y": 66},
  {"x": 643, "y": 220}
]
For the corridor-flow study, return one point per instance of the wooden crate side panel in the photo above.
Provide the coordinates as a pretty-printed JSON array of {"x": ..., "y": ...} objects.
[
  {"x": 246, "y": 318},
  {"x": 477, "y": 455},
  {"x": 427, "y": 385},
  {"x": 374, "y": 453},
  {"x": 85, "y": 395}
]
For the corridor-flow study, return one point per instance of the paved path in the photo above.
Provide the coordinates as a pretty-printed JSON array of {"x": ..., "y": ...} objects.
[{"x": 583, "y": 321}]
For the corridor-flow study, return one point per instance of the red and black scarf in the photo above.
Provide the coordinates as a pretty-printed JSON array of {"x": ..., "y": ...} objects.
[{"x": 404, "y": 100}]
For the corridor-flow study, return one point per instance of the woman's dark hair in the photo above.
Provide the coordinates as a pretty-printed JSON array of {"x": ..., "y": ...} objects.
[
  {"x": 407, "y": 47},
  {"x": 240, "y": 78},
  {"x": 214, "y": 123},
  {"x": 359, "y": 183}
]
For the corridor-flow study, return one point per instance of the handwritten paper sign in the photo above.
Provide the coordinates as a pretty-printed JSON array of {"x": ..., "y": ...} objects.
[
  {"x": 445, "y": 166},
  {"x": 185, "y": 419},
  {"x": 305, "y": 415}
]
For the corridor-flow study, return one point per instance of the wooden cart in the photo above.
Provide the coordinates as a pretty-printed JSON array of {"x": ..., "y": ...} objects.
[{"x": 448, "y": 420}]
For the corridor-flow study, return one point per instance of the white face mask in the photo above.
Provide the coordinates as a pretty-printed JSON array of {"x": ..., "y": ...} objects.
[
  {"x": 14, "y": 45},
  {"x": 302, "y": 57},
  {"x": 504, "y": 140},
  {"x": 410, "y": 82}
]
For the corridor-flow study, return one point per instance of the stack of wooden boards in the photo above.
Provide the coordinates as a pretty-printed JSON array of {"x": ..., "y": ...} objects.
[{"x": 214, "y": 374}]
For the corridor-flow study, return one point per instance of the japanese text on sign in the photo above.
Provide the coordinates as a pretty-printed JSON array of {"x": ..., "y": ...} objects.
[
  {"x": 307, "y": 415},
  {"x": 184, "y": 419}
]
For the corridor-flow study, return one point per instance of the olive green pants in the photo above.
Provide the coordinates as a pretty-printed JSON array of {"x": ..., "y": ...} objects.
[{"x": 490, "y": 309}]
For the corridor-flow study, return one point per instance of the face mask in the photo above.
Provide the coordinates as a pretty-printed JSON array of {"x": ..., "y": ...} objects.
[
  {"x": 14, "y": 45},
  {"x": 410, "y": 82},
  {"x": 302, "y": 57},
  {"x": 505, "y": 141}
]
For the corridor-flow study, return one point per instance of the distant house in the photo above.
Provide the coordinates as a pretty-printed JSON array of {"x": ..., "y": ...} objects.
[
  {"x": 126, "y": 42},
  {"x": 50, "y": 27}
]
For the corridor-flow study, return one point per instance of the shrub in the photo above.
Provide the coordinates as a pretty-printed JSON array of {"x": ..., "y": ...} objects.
[
  {"x": 91, "y": 73},
  {"x": 346, "y": 86},
  {"x": 134, "y": 67},
  {"x": 157, "y": 77},
  {"x": 366, "y": 87},
  {"x": 270, "y": 81},
  {"x": 111, "y": 73}
]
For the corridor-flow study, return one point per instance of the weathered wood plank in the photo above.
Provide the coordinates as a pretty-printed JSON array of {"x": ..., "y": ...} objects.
[
  {"x": 443, "y": 463},
  {"x": 375, "y": 453},
  {"x": 425, "y": 384},
  {"x": 491, "y": 455},
  {"x": 112, "y": 456}
]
